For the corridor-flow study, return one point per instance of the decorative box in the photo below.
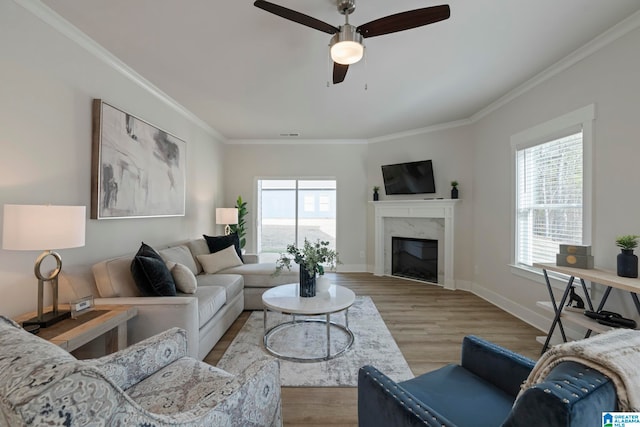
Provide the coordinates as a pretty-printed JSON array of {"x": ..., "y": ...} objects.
[
  {"x": 577, "y": 261},
  {"x": 575, "y": 250}
]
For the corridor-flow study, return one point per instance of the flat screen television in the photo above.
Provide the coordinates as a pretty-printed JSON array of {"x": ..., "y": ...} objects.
[{"x": 409, "y": 178}]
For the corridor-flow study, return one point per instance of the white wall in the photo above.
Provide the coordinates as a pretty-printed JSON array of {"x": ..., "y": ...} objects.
[
  {"x": 345, "y": 162},
  {"x": 609, "y": 79},
  {"x": 47, "y": 85}
]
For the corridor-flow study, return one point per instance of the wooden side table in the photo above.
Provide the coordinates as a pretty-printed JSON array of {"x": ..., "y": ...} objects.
[
  {"x": 607, "y": 278},
  {"x": 107, "y": 320}
]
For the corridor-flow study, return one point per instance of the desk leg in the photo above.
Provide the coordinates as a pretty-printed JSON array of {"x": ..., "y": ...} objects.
[
  {"x": 116, "y": 339},
  {"x": 328, "y": 336},
  {"x": 605, "y": 296},
  {"x": 557, "y": 309},
  {"x": 586, "y": 294},
  {"x": 264, "y": 321},
  {"x": 635, "y": 301}
]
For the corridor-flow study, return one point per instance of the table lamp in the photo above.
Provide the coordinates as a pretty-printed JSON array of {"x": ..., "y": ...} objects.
[
  {"x": 227, "y": 216},
  {"x": 44, "y": 227}
]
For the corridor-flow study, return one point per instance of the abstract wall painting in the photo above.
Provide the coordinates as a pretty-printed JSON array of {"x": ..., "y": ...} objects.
[{"x": 138, "y": 170}]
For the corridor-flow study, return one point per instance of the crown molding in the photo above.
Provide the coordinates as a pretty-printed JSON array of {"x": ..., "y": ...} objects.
[
  {"x": 50, "y": 17},
  {"x": 612, "y": 34},
  {"x": 294, "y": 141},
  {"x": 421, "y": 131},
  {"x": 47, "y": 15}
]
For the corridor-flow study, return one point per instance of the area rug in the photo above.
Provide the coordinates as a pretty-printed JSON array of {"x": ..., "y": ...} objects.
[{"x": 373, "y": 345}]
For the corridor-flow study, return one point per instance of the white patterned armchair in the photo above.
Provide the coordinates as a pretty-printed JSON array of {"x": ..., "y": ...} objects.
[{"x": 151, "y": 383}]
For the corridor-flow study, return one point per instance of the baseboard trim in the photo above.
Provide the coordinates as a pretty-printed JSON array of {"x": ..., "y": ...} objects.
[
  {"x": 533, "y": 318},
  {"x": 523, "y": 313}
]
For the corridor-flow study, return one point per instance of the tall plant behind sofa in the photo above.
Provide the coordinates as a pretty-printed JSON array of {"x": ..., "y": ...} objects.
[{"x": 240, "y": 227}]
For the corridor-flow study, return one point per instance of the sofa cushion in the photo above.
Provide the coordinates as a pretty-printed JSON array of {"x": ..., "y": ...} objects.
[
  {"x": 233, "y": 283},
  {"x": 261, "y": 275},
  {"x": 485, "y": 404},
  {"x": 180, "y": 255},
  {"x": 218, "y": 243},
  {"x": 180, "y": 387},
  {"x": 114, "y": 279},
  {"x": 183, "y": 277},
  {"x": 198, "y": 247},
  {"x": 152, "y": 276},
  {"x": 214, "y": 262},
  {"x": 210, "y": 300}
]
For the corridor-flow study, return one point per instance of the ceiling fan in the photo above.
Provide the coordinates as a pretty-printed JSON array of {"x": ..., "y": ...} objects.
[{"x": 346, "y": 44}]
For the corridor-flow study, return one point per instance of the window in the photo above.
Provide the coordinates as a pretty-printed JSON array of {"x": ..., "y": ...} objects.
[
  {"x": 325, "y": 203},
  {"x": 287, "y": 214},
  {"x": 552, "y": 187},
  {"x": 309, "y": 203}
]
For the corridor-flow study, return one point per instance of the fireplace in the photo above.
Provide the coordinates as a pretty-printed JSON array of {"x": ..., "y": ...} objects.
[
  {"x": 426, "y": 219},
  {"x": 414, "y": 258}
]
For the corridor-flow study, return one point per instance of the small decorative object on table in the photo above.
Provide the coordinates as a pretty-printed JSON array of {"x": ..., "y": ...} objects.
[
  {"x": 627, "y": 261},
  {"x": 310, "y": 259},
  {"x": 454, "y": 189},
  {"x": 81, "y": 306},
  {"x": 578, "y": 256},
  {"x": 376, "y": 196}
]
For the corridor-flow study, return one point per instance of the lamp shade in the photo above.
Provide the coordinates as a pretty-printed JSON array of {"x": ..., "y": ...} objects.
[
  {"x": 226, "y": 216},
  {"x": 43, "y": 227}
]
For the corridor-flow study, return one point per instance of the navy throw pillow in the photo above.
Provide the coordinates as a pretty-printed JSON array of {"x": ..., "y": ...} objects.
[
  {"x": 151, "y": 274},
  {"x": 218, "y": 243}
]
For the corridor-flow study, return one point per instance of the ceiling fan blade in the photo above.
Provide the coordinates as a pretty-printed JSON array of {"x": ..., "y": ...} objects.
[
  {"x": 405, "y": 21},
  {"x": 294, "y": 16},
  {"x": 339, "y": 72}
]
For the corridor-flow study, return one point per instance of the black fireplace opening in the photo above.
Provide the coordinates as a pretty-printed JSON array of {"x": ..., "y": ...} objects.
[{"x": 414, "y": 258}]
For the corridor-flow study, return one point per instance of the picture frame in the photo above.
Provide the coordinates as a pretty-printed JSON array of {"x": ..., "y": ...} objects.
[{"x": 137, "y": 169}]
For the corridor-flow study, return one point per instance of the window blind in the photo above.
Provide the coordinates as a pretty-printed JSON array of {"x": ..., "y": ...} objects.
[{"x": 549, "y": 198}]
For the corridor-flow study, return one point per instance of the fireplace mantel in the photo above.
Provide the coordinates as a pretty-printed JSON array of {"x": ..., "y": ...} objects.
[{"x": 437, "y": 208}]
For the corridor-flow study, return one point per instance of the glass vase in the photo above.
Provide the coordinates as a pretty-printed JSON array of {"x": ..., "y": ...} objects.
[
  {"x": 307, "y": 283},
  {"x": 627, "y": 263}
]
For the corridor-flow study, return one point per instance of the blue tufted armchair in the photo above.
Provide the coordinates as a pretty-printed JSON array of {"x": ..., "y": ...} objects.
[{"x": 481, "y": 391}]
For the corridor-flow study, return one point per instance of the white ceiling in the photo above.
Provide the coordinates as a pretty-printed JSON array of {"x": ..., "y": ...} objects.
[{"x": 252, "y": 75}]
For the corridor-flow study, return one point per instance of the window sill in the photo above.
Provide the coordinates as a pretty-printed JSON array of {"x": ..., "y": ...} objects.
[{"x": 557, "y": 280}]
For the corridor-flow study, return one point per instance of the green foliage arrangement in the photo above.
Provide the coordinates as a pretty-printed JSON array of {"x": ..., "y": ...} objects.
[
  {"x": 454, "y": 184},
  {"x": 312, "y": 256},
  {"x": 376, "y": 189},
  {"x": 240, "y": 227},
  {"x": 630, "y": 241}
]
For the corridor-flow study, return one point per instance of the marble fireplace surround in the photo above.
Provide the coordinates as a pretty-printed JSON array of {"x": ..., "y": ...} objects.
[{"x": 439, "y": 209}]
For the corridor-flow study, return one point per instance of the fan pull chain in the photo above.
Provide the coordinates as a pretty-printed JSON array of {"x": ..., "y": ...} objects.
[
  {"x": 329, "y": 65},
  {"x": 366, "y": 86}
]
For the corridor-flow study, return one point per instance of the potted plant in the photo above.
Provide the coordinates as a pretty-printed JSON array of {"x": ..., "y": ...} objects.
[
  {"x": 375, "y": 193},
  {"x": 312, "y": 259},
  {"x": 627, "y": 261},
  {"x": 454, "y": 189},
  {"x": 240, "y": 227}
]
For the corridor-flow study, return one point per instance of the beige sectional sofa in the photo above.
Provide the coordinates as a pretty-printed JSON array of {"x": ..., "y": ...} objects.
[{"x": 205, "y": 315}]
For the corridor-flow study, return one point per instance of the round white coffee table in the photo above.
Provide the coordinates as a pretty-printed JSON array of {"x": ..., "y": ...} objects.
[{"x": 286, "y": 299}]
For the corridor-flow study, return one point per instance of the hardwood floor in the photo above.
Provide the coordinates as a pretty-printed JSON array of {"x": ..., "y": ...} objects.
[{"x": 427, "y": 322}]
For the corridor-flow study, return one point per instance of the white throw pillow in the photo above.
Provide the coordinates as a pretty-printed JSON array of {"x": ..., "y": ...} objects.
[
  {"x": 183, "y": 277},
  {"x": 226, "y": 258}
]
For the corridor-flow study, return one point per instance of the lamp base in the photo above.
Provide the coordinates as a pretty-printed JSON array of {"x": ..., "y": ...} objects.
[{"x": 48, "y": 319}]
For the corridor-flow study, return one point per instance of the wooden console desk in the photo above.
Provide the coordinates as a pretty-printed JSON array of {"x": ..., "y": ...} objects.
[
  {"x": 70, "y": 334},
  {"x": 604, "y": 277}
]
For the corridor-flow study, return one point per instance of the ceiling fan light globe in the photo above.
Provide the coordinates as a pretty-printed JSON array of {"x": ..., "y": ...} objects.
[
  {"x": 346, "y": 46},
  {"x": 347, "y": 53}
]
